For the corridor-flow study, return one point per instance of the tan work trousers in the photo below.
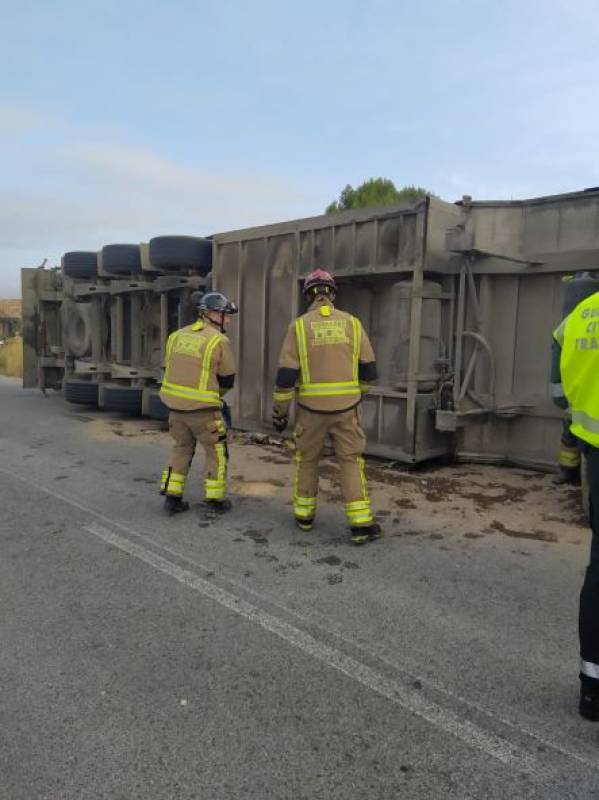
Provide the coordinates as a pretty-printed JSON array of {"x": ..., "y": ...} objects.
[
  {"x": 187, "y": 428},
  {"x": 349, "y": 441}
]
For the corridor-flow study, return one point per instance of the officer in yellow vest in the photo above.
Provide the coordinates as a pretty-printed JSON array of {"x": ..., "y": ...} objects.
[
  {"x": 199, "y": 370},
  {"x": 328, "y": 354},
  {"x": 577, "y": 383}
]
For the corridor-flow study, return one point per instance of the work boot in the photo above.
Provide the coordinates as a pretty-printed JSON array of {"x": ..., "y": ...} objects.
[
  {"x": 567, "y": 475},
  {"x": 218, "y": 506},
  {"x": 360, "y": 534},
  {"x": 589, "y": 698},
  {"x": 175, "y": 505},
  {"x": 304, "y": 524}
]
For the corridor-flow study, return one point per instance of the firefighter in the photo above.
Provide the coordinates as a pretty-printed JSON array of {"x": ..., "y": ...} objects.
[
  {"x": 199, "y": 371},
  {"x": 328, "y": 354},
  {"x": 576, "y": 383}
]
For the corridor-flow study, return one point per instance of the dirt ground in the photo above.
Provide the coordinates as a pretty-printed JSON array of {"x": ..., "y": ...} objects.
[{"x": 466, "y": 500}]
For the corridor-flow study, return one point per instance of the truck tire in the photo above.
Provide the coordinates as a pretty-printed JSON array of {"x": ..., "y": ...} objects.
[
  {"x": 78, "y": 328},
  {"x": 157, "y": 409},
  {"x": 174, "y": 252},
  {"x": 80, "y": 264},
  {"x": 123, "y": 398},
  {"x": 121, "y": 259},
  {"x": 584, "y": 486},
  {"x": 84, "y": 393}
]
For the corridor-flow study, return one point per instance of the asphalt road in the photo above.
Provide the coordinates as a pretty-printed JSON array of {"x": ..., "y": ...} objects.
[{"x": 237, "y": 658}]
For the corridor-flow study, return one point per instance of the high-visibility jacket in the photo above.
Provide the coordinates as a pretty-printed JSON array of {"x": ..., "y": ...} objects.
[
  {"x": 199, "y": 368},
  {"x": 328, "y": 355},
  {"x": 578, "y": 337}
]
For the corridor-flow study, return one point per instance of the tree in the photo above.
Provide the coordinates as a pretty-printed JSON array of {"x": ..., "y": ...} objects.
[{"x": 375, "y": 192}]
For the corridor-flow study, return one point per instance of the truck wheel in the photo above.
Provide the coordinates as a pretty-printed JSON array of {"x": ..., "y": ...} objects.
[
  {"x": 80, "y": 264},
  {"x": 84, "y": 393},
  {"x": 121, "y": 259},
  {"x": 174, "y": 252},
  {"x": 78, "y": 328},
  {"x": 584, "y": 485},
  {"x": 123, "y": 398}
]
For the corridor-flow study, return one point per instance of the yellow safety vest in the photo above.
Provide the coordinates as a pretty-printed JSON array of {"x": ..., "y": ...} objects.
[
  {"x": 307, "y": 388},
  {"x": 197, "y": 345},
  {"x": 578, "y": 335}
]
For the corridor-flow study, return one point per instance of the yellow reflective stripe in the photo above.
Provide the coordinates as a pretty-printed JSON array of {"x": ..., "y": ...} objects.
[
  {"x": 357, "y": 345},
  {"x": 302, "y": 349},
  {"x": 304, "y": 507},
  {"x": 329, "y": 389},
  {"x": 569, "y": 457},
  {"x": 308, "y": 502},
  {"x": 187, "y": 393},
  {"x": 207, "y": 361},
  {"x": 365, "y": 387},
  {"x": 282, "y": 396},
  {"x": 174, "y": 483},
  {"x": 357, "y": 505},
  {"x": 221, "y": 458},
  {"x": 361, "y": 468},
  {"x": 214, "y": 490}
]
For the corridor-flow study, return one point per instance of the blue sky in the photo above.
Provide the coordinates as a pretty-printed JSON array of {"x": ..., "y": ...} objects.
[{"x": 124, "y": 120}]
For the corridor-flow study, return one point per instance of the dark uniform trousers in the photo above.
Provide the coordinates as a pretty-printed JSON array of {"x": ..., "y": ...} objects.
[{"x": 589, "y": 595}]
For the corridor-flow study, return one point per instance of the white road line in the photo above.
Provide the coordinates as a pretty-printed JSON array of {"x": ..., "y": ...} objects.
[
  {"x": 443, "y": 718},
  {"x": 412, "y": 701}
]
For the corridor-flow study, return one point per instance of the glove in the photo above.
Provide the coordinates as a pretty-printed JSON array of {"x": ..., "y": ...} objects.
[{"x": 280, "y": 423}]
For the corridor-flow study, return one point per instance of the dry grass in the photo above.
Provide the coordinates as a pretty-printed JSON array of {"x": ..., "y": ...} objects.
[{"x": 11, "y": 357}]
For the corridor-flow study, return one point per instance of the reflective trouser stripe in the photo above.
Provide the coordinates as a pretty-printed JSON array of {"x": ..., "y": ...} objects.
[
  {"x": 569, "y": 457},
  {"x": 303, "y": 507},
  {"x": 216, "y": 488},
  {"x": 359, "y": 512},
  {"x": 172, "y": 483},
  {"x": 589, "y": 669}
]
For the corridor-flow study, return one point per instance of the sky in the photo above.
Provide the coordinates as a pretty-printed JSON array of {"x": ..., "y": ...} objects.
[{"x": 123, "y": 120}]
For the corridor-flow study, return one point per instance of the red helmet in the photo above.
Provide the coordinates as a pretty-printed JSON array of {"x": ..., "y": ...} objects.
[{"x": 319, "y": 277}]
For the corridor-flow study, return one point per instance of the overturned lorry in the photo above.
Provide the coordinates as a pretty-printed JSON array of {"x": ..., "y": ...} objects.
[{"x": 459, "y": 301}]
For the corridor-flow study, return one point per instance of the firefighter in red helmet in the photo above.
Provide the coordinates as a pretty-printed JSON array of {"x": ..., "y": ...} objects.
[{"x": 327, "y": 363}]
